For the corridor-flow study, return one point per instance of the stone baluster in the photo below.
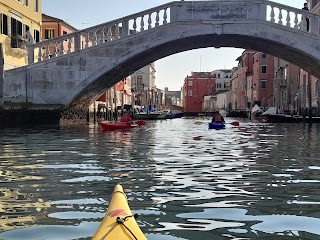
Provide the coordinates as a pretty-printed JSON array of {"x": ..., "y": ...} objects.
[
  {"x": 109, "y": 34},
  {"x": 165, "y": 16},
  {"x": 288, "y": 19},
  {"x": 69, "y": 45},
  {"x": 117, "y": 31},
  {"x": 134, "y": 25},
  {"x": 296, "y": 21},
  {"x": 47, "y": 51},
  {"x": 39, "y": 54},
  {"x": 54, "y": 54},
  {"x": 61, "y": 49},
  {"x": 102, "y": 35},
  {"x": 95, "y": 39},
  {"x": 157, "y": 20},
  {"x": 272, "y": 15},
  {"x": 149, "y": 22},
  {"x": 87, "y": 40},
  {"x": 280, "y": 17},
  {"x": 142, "y": 24}
]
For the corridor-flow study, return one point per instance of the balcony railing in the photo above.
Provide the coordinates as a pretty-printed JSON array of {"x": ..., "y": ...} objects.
[
  {"x": 280, "y": 82},
  {"x": 18, "y": 42}
]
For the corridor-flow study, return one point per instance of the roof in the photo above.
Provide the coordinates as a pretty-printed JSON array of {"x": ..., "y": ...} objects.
[{"x": 47, "y": 18}]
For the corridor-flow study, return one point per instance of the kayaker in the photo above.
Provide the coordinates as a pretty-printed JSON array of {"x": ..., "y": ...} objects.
[
  {"x": 218, "y": 118},
  {"x": 126, "y": 118}
]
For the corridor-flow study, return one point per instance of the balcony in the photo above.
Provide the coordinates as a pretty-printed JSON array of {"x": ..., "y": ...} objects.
[
  {"x": 18, "y": 43},
  {"x": 280, "y": 83}
]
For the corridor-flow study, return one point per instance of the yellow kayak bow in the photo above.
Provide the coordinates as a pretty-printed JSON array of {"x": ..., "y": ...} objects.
[{"x": 119, "y": 223}]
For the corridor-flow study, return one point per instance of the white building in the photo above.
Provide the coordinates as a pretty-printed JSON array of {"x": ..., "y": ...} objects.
[{"x": 222, "y": 77}]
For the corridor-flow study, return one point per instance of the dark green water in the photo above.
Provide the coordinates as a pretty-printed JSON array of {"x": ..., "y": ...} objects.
[{"x": 256, "y": 181}]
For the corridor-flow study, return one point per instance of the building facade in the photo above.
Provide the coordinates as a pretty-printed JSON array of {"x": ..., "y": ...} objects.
[
  {"x": 262, "y": 78},
  {"x": 143, "y": 84},
  {"x": 195, "y": 87},
  {"x": 222, "y": 76},
  {"x": 286, "y": 86},
  {"x": 19, "y": 17}
]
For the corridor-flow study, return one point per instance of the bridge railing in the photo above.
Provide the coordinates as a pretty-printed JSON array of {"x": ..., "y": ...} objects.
[
  {"x": 292, "y": 17},
  {"x": 214, "y": 10},
  {"x": 99, "y": 34}
]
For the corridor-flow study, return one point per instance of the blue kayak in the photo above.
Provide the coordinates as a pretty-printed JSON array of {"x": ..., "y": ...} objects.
[{"x": 215, "y": 125}]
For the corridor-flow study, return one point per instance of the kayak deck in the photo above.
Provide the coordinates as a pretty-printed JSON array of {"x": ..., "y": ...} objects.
[
  {"x": 118, "y": 222},
  {"x": 216, "y": 125}
]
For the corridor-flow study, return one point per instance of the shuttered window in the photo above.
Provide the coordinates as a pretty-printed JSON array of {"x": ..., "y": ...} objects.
[{"x": 4, "y": 24}]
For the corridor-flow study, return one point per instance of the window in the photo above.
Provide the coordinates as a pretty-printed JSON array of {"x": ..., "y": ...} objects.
[
  {"x": 36, "y": 5},
  {"x": 190, "y": 83},
  {"x": 190, "y": 93},
  {"x": 64, "y": 33},
  {"x": 48, "y": 33},
  {"x": 26, "y": 3},
  {"x": 263, "y": 84},
  {"x": 26, "y": 28},
  {"x": 16, "y": 27},
  {"x": 219, "y": 75},
  {"x": 219, "y": 85},
  {"x": 4, "y": 24},
  {"x": 263, "y": 55},
  {"x": 263, "y": 69},
  {"x": 36, "y": 35}
]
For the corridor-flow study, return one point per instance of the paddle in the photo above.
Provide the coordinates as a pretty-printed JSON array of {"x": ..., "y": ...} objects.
[{"x": 235, "y": 123}]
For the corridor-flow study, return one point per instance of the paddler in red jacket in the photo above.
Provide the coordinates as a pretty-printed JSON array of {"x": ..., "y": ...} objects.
[
  {"x": 218, "y": 118},
  {"x": 126, "y": 118}
]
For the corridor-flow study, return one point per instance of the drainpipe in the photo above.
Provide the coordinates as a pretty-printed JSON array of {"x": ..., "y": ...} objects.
[{"x": 1, "y": 76}]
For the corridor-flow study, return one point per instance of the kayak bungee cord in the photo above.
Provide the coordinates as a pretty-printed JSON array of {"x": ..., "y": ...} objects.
[{"x": 121, "y": 221}]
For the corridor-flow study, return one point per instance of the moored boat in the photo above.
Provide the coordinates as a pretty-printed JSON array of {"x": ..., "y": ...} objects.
[
  {"x": 118, "y": 222},
  {"x": 216, "y": 125}
]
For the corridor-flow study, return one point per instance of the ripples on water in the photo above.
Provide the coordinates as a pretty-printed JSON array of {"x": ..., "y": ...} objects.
[{"x": 186, "y": 182}]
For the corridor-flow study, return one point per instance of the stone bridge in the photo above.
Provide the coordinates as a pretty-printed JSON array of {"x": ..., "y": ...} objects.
[{"x": 71, "y": 70}]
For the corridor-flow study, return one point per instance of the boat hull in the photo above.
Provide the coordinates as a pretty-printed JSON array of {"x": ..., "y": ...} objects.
[
  {"x": 282, "y": 118},
  {"x": 118, "y": 222},
  {"x": 216, "y": 125},
  {"x": 116, "y": 126}
]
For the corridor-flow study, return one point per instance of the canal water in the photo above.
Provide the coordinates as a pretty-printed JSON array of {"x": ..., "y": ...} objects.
[{"x": 185, "y": 181}]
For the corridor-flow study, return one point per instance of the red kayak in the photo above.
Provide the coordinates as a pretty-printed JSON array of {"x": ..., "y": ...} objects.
[{"x": 115, "y": 126}]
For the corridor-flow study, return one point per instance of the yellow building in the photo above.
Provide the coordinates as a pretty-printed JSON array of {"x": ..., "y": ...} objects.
[{"x": 18, "y": 17}]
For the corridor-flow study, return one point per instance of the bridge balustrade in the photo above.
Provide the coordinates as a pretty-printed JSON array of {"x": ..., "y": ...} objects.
[{"x": 255, "y": 10}]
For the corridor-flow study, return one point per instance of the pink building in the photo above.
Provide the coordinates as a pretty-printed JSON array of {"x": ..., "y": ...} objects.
[
  {"x": 195, "y": 87},
  {"x": 262, "y": 78}
]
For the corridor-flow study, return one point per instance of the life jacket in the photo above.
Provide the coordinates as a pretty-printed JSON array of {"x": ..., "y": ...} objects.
[
  {"x": 126, "y": 119},
  {"x": 217, "y": 118}
]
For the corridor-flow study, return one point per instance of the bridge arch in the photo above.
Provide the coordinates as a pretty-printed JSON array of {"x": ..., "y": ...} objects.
[{"x": 74, "y": 79}]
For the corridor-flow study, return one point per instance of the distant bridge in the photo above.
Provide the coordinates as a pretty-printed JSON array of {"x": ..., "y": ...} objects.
[{"x": 71, "y": 70}]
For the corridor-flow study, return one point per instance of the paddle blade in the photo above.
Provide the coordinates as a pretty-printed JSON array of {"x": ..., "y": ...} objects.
[
  {"x": 237, "y": 124},
  {"x": 140, "y": 122},
  {"x": 198, "y": 123}
]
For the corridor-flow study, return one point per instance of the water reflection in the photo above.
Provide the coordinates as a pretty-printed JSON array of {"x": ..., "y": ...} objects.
[{"x": 256, "y": 180}]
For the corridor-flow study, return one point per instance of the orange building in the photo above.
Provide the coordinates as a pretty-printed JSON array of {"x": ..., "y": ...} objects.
[{"x": 54, "y": 27}]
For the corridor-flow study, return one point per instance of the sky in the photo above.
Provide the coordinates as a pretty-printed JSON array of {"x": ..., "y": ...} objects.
[{"x": 170, "y": 71}]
